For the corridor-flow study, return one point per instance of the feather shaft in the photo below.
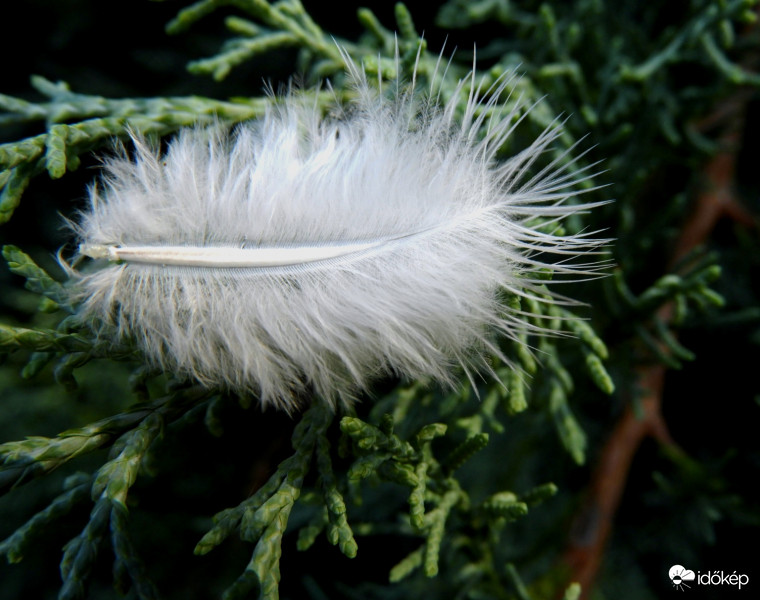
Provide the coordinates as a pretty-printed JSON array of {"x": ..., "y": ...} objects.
[{"x": 226, "y": 257}]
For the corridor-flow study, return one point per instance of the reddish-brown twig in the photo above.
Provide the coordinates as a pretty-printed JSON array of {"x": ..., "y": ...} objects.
[{"x": 594, "y": 523}]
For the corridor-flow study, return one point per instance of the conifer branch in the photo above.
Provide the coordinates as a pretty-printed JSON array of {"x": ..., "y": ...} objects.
[
  {"x": 79, "y": 123},
  {"x": 263, "y": 518},
  {"x": 35, "y": 456}
]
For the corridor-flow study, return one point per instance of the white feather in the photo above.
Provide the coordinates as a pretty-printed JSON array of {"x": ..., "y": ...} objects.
[{"x": 306, "y": 253}]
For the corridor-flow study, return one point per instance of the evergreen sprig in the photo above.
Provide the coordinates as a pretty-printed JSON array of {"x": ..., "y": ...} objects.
[
  {"x": 78, "y": 123},
  {"x": 76, "y": 490},
  {"x": 37, "y": 279},
  {"x": 35, "y": 456},
  {"x": 263, "y": 518}
]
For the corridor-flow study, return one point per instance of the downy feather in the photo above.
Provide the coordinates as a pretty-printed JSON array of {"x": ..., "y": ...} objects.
[{"x": 299, "y": 253}]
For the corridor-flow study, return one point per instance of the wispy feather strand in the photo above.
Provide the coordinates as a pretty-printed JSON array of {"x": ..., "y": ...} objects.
[{"x": 301, "y": 252}]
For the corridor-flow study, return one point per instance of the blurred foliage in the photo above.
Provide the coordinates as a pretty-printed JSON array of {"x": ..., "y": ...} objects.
[{"x": 441, "y": 494}]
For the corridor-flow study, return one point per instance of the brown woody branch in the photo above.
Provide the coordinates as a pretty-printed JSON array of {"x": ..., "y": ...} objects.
[{"x": 594, "y": 523}]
